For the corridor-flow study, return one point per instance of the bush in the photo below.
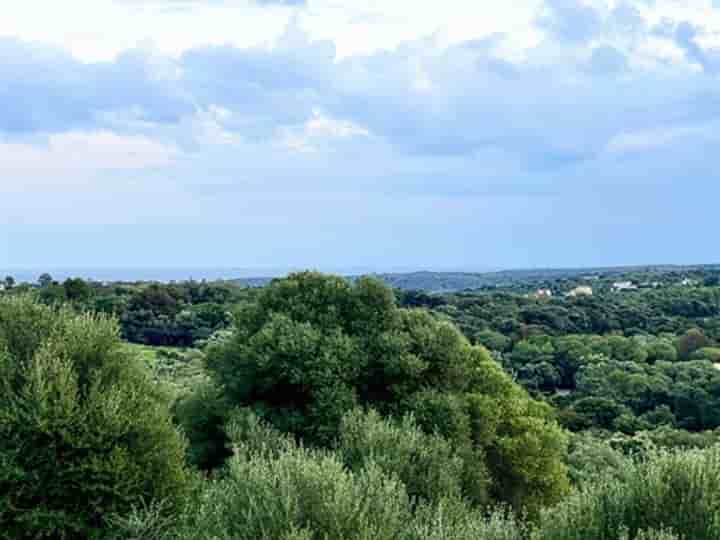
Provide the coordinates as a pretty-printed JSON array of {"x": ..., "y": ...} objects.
[
  {"x": 84, "y": 432},
  {"x": 655, "y": 534},
  {"x": 202, "y": 415},
  {"x": 453, "y": 520},
  {"x": 428, "y": 465},
  {"x": 711, "y": 354},
  {"x": 274, "y": 489},
  {"x": 674, "y": 493},
  {"x": 591, "y": 458}
]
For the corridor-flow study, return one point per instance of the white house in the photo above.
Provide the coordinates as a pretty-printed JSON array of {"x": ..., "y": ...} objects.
[
  {"x": 624, "y": 286},
  {"x": 543, "y": 293},
  {"x": 583, "y": 290}
]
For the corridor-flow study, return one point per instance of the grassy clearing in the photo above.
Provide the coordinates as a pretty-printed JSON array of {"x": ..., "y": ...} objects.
[{"x": 182, "y": 369}]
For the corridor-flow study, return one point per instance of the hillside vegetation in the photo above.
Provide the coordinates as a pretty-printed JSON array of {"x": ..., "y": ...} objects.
[{"x": 318, "y": 407}]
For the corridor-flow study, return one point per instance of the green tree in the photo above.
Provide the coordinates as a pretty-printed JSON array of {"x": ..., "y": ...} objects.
[
  {"x": 493, "y": 341},
  {"x": 661, "y": 350},
  {"x": 45, "y": 280},
  {"x": 53, "y": 293},
  {"x": 77, "y": 289},
  {"x": 84, "y": 431},
  {"x": 314, "y": 347},
  {"x": 711, "y": 354},
  {"x": 691, "y": 341}
]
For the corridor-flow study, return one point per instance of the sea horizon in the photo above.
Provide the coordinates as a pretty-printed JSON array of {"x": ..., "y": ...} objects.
[
  {"x": 229, "y": 273},
  {"x": 186, "y": 273}
]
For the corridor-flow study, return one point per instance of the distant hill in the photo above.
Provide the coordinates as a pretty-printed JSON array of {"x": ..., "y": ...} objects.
[{"x": 459, "y": 281}]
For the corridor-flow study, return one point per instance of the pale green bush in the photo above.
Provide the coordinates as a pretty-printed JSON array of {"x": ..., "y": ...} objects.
[
  {"x": 428, "y": 466},
  {"x": 677, "y": 493}
]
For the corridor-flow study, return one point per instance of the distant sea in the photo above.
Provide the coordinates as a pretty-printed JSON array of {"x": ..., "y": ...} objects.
[{"x": 166, "y": 275}]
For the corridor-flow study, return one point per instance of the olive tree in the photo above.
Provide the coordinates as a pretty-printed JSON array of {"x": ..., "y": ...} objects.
[{"x": 313, "y": 347}]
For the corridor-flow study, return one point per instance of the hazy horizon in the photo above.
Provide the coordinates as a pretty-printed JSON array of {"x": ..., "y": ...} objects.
[{"x": 167, "y": 274}]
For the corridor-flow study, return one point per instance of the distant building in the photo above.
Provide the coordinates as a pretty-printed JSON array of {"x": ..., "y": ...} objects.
[
  {"x": 624, "y": 286},
  {"x": 687, "y": 282},
  {"x": 583, "y": 290},
  {"x": 543, "y": 293}
]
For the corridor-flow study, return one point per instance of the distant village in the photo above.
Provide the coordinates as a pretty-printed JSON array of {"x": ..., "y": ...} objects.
[{"x": 616, "y": 287}]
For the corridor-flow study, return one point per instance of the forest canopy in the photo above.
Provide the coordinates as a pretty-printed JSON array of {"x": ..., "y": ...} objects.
[{"x": 319, "y": 407}]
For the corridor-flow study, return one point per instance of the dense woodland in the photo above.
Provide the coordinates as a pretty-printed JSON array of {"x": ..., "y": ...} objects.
[{"x": 318, "y": 407}]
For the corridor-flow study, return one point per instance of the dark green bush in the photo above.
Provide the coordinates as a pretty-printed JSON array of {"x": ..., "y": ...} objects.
[
  {"x": 202, "y": 414},
  {"x": 312, "y": 348}
]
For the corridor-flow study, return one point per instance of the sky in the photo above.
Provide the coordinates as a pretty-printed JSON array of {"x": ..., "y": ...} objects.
[{"x": 383, "y": 134}]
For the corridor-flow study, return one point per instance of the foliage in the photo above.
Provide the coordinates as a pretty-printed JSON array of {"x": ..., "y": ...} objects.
[
  {"x": 202, "y": 414},
  {"x": 314, "y": 347},
  {"x": 592, "y": 457},
  {"x": 177, "y": 314},
  {"x": 275, "y": 489},
  {"x": 321, "y": 409},
  {"x": 427, "y": 465},
  {"x": 668, "y": 309},
  {"x": 673, "y": 492},
  {"x": 84, "y": 431}
]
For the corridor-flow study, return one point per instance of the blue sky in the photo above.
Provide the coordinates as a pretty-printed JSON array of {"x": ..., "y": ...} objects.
[{"x": 337, "y": 134}]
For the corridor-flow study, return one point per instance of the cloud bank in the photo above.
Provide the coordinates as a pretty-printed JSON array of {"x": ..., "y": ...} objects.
[{"x": 596, "y": 139}]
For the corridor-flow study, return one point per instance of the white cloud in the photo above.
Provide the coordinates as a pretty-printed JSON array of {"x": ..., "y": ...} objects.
[
  {"x": 101, "y": 29},
  {"x": 75, "y": 152},
  {"x": 461, "y": 116},
  {"x": 653, "y": 139},
  {"x": 96, "y": 30},
  {"x": 365, "y": 27},
  {"x": 318, "y": 133}
]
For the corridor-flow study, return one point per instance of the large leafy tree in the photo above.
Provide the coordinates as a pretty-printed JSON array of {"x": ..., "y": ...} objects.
[
  {"x": 84, "y": 432},
  {"x": 313, "y": 347}
]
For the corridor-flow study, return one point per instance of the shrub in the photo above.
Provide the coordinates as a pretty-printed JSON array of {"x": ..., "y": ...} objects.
[
  {"x": 591, "y": 457},
  {"x": 84, "y": 432},
  {"x": 202, "y": 414},
  {"x": 272, "y": 486},
  {"x": 674, "y": 493},
  {"x": 428, "y": 465},
  {"x": 453, "y": 520},
  {"x": 274, "y": 489}
]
